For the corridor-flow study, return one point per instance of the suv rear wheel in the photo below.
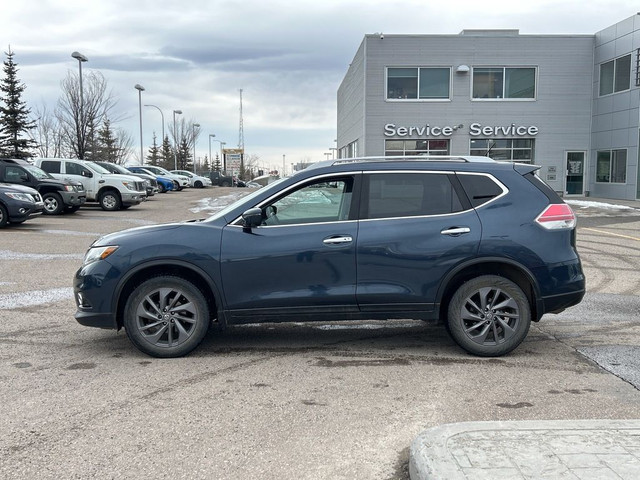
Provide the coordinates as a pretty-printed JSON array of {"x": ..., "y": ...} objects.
[
  {"x": 166, "y": 316},
  {"x": 489, "y": 316},
  {"x": 4, "y": 216},
  {"x": 52, "y": 203}
]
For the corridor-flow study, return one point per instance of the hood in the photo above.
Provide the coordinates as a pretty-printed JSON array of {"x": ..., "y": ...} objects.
[
  {"x": 10, "y": 187},
  {"x": 134, "y": 234},
  {"x": 124, "y": 178}
]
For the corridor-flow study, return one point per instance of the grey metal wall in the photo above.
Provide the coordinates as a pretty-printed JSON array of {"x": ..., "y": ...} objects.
[
  {"x": 561, "y": 111},
  {"x": 616, "y": 117}
]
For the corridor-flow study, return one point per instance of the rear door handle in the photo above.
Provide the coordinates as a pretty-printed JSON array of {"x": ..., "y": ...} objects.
[
  {"x": 455, "y": 231},
  {"x": 338, "y": 240}
]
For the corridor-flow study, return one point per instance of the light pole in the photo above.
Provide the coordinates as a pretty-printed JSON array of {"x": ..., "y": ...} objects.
[
  {"x": 140, "y": 89},
  {"x": 195, "y": 125},
  {"x": 161, "y": 115},
  {"x": 81, "y": 58},
  {"x": 175, "y": 139}
]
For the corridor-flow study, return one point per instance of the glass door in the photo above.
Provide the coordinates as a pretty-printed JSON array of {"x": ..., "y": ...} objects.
[{"x": 575, "y": 173}]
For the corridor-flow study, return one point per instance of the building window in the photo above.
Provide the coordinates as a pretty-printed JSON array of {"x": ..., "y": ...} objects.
[
  {"x": 615, "y": 75},
  {"x": 504, "y": 83},
  {"x": 416, "y": 147},
  {"x": 506, "y": 149},
  {"x": 349, "y": 151},
  {"x": 418, "y": 83},
  {"x": 611, "y": 166}
]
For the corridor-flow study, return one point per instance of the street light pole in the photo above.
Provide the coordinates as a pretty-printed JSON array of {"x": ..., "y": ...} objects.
[
  {"x": 210, "y": 159},
  {"x": 161, "y": 115},
  {"x": 81, "y": 58},
  {"x": 195, "y": 125},
  {"x": 140, "y": 89},
  {"x": 175, "y": 139}
]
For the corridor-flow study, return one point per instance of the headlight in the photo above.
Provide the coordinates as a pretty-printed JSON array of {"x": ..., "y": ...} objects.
[
  {"x": 129, "y": 186},
  {"x": 69, "y": 188},
  {"x": 25, "y": 197},
  {"x": 98, "y": 253}
]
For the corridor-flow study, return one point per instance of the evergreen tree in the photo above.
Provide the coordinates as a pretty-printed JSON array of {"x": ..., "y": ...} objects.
[
  {"x": 14, "y": 114},
  {"x": 153, "y": 158},
  {"x": 106, "y": 148},
  {"x": 166, "y": 154},
  {"x": 205, "y": 164},
  {"x": 184, "y": 156},
  {"x": 217, "y": 166}
]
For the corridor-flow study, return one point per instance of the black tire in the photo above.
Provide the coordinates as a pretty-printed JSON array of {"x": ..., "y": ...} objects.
[
  {"x": 161, "y": 188},
  {"x": 489, "y": 316},
  {"x": 110, "y": 200},
  {"x": 198, "y": 184},
  {"x": 53, "y": 204},
  {"x": 4, "y": 216},
  {"x": 156, "y": 327}
]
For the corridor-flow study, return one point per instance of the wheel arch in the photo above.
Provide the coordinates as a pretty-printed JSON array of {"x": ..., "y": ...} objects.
[
  {"x": 510, "y": 270},
  {"x": 108, "y": 188},
  {"x": 180, "y": 269}
]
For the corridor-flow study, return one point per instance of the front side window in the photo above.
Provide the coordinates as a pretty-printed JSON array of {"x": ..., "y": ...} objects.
[
  {"x": 504, "y": 83},
  {"x": 615, "y": 75},
  {"x": 326, "y": 200},
  {"x": 611, "y": 166},
  {"x": 394, "y": 195},
  {"x": 76, "y": 169},
  {"x": 423, "y": 83},
  {"x": 15, "y": 175},
  {"x": 506, "y": 149}
]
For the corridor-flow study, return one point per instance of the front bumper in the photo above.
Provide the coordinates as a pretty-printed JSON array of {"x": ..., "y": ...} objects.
[
  {"x": 73, "y": 199},
  {"x": 93, "y": 285},
  {"x": 20, "y": 211},
  {"x": 134, "y": 198}
]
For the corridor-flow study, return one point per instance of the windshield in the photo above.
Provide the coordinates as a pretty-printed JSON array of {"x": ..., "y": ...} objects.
[
  {"x": 97, "y": 168},
  {"x": 121, "y": 169},
  {"x": 37, "y": 172},
  {"x": 158, "y": 170}
]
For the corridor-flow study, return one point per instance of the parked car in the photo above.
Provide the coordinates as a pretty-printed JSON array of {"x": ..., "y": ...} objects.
[
  {"x": 59, "y": 196},
  {"x": 18, "y": 203},
  {"x": 164, "y": 184},
  {"x": 196, "y": 181},
  {"x": 485, "y": 247},
  {"x": 150, "y": 182},
  {"x": 220, "y": 179},
  {"x": 111, "y": 191},
  {"x": 181, "y": 180}
]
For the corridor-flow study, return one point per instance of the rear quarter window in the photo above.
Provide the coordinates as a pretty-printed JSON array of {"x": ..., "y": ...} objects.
[{"x": 480, "y": 189}]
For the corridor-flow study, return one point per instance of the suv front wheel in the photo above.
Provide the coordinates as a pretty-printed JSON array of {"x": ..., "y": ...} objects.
[
  {"x": 166, "y": 317},
  {"x": 489, "y": 316}
]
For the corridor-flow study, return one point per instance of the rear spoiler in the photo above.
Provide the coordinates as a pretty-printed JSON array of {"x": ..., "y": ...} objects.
[{"x": 524, "y": 168}]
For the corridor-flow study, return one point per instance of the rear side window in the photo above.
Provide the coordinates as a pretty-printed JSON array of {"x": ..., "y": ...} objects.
[
  {"x": 479, "y": 188},
  {"x": 543, "y": 187},
  {"x": 389, "y": 195},
  {"x": 50, "y": 166}
]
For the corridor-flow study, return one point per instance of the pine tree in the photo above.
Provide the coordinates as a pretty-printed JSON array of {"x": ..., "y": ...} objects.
[
  {"x": 14, "y": 114},
  {"x": 205, "y": 164},
  {"x": 166, "y": 154},
  {"x": 153, "y": 158},
  {"x": 184, "y": 156},
  {"x": 106, "y": 144},
  {"x": 217, "y": 166}
]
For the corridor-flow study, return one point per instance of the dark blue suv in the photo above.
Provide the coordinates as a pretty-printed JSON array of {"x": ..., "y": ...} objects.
[{"x": 486, "y": 247}]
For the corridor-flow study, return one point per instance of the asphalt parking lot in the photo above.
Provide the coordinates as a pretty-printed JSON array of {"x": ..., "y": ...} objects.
[{"x": 314, "y": 401}]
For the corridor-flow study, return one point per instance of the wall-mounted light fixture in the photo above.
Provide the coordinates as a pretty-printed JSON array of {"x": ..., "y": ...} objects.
[
  {"x": 456, "y": 127},
  {"x": 462, "y": 69}
]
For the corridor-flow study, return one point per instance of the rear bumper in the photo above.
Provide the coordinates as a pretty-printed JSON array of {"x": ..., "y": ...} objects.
[
  {"x": 562, "y": 285},
  {"x": 557, "y": 303}
]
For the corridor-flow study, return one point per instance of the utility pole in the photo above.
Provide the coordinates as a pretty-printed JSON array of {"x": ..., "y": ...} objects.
[{"x": 241, "y": 138}]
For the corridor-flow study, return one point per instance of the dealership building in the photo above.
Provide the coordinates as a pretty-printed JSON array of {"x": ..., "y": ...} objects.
[{"x": 569, "y": 103}]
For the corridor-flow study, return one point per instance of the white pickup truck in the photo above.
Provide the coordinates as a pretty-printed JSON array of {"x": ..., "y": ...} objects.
[{"x": 112, "y": 191}]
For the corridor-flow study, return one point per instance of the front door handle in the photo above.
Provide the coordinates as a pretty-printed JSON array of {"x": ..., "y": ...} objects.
[
  {"x": 455, "y": 231},
  {"x": 338, "y": 240}
]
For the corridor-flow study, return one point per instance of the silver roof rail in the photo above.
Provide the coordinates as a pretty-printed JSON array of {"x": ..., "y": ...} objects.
[{"x": 417, "y": 158}]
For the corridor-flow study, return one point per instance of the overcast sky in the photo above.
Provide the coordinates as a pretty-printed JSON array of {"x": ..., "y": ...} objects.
[{"x": 289, "y": 57}]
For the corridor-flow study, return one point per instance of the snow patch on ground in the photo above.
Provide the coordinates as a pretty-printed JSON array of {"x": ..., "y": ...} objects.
[
  {"x": 11, "y": 255},
  {"x": 213, "y": 205},
  {"x": 9, "y": 301},
  {"x": 72, "y": 233},
  {"x": 601, "y": 205}
]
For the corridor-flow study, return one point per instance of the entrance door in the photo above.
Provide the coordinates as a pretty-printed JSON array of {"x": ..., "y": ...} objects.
[{"x": 575, "y": 173}]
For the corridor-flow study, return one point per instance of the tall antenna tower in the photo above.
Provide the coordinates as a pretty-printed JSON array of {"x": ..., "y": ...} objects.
[{"x": 241, "y": 133}]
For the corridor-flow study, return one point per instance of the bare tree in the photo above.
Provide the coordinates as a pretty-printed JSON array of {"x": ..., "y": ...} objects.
[
  {"x": 184, "y": 133},
  {"x": 77, "y": 111},
  {"x": 46, "y": 133}
]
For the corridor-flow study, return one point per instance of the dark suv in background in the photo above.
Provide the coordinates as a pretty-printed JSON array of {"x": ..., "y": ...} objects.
[
  {"x": 18, "y": 204},
  {"x": 485, "y": 247},
  {"x": 59, "y": 196}
]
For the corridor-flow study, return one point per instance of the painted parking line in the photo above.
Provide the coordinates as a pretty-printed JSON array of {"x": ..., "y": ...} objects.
[{"x": 629, "y": 237}]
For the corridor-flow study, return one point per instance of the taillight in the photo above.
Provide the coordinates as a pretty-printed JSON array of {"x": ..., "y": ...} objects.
[{"x": 557, "y": 216}]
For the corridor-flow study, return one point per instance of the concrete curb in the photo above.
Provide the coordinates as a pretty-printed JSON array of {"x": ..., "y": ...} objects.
[{"x": 527, "y": 449}]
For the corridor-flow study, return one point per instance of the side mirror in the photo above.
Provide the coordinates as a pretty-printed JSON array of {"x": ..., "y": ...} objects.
[{"x": 252, "y": 218}]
